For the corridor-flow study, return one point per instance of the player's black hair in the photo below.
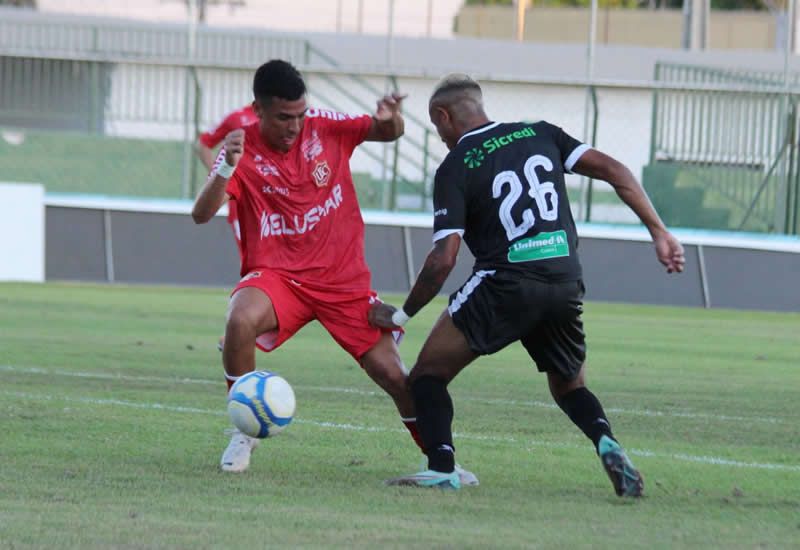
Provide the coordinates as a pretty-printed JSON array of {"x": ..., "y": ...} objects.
[{"x": 278, "y": 78}]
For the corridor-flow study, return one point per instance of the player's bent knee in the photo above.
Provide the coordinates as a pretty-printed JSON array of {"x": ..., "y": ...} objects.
[
  {"x": 242, "y": 322},
  {"x": 425, "y": 368}
]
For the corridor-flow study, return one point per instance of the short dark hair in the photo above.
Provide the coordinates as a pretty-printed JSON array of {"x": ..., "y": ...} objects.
[{"x": 278, "y": 78}]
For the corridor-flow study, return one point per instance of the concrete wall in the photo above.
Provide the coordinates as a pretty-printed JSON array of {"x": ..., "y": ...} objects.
[
  {"x": 93, "y": 244},
  {"x": 660, "y": 28}
]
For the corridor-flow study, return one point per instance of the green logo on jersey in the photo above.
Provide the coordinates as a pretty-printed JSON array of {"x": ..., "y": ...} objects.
[
  {"x": 539, "y": 247},
  {"x": 476, "y": 156}
]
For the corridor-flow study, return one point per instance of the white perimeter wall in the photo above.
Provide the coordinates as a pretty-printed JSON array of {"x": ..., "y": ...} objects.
[{"x": 22, "y": 232}]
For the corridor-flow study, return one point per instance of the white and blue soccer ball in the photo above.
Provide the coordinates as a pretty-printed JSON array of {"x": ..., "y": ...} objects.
[{"x": 261, "y": 404}]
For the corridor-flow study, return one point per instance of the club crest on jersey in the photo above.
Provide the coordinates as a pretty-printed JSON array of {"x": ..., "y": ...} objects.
[
  {"x": 321, "y": 173},
  {"x": 312, "y": 147}
]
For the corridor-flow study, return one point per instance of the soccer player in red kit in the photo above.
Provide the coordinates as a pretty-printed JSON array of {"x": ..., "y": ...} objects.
[
  {"x": 206, "y": 144},
  {"x": 302, "y": 235}
]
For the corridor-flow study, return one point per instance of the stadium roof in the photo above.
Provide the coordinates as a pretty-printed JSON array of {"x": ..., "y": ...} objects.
[{"x": 482, "y": 58}]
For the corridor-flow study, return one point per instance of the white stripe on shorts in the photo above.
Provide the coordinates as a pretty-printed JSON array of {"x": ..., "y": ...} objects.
[{"x": 463, "y": 294}]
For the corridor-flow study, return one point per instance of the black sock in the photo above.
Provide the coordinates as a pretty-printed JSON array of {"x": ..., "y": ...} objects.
[
  {"x": 586, "y": 412},
  {"x": 434, "y": 421}
]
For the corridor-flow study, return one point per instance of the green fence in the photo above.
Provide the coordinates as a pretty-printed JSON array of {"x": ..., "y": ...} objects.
[{"x": 724, "y": 149}]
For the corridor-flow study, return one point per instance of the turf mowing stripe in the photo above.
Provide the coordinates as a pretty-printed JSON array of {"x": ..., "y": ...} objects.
[
  {"x": 709, "y": 460},
  {"x": 488, "y": 401}
]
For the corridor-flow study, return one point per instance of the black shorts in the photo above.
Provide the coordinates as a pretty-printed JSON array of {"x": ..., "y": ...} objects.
[{"x": 496, "y": 308}]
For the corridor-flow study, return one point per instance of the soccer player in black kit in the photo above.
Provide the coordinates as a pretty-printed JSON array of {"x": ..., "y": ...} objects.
[{"x": 501, "y": 189}]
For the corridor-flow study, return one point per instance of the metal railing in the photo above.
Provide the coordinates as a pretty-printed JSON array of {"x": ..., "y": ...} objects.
[
  {"x": 24, "y": 34},
  {"x": 730, "y": 133},
  {"x": 90, "y": 75},
  {"x": 739, "y": 145},
  {"x": 415, "y": 153}
]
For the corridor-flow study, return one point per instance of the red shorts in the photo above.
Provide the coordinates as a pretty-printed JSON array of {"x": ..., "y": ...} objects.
[{"x": 343, "y": 314}]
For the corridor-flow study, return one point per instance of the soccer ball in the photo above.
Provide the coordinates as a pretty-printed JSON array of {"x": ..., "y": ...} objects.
[{"x": 261, "y": 404}]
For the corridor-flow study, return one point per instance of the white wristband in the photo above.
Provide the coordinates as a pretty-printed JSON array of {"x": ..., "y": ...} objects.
[
  {"x": 225, "y": 170},
  {"x": 399, "y": 318}
]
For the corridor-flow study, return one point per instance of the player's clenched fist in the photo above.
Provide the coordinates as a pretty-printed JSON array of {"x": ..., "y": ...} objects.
[
  {"x": 388, "y": 106},
  {"x": 234, "y": 146}
]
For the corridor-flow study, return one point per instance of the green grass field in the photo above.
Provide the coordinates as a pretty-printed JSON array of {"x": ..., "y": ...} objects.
[{"x": 112, "y": 419}]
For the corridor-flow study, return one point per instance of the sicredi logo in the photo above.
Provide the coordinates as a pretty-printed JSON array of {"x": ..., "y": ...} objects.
[{"x": 475, "y": 156}]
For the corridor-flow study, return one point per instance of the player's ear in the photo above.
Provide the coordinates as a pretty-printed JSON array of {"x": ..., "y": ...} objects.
[
  {"x": 259, "y": 108},
  {"x": 440, "y": 115}
]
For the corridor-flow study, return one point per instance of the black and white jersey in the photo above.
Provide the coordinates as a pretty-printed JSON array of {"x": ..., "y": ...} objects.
[{"x": 502, "y": 189}]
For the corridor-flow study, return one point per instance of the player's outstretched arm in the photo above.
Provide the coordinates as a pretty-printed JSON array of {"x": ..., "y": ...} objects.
[
  {"x": 387, "y": 122},
  {"x": 213, "y": 195},
  {"x": 595, "y": 164},
  {"x": 438, "y": 265}
]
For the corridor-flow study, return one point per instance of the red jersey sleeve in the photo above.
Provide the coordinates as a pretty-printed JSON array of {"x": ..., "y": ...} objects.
[
  {"x": 350, "y": 131},
  {"x": 214, "y": 137}
]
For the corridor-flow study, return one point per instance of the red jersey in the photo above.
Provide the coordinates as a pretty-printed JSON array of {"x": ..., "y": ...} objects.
[
  {"x": 237, "y": 119},
  {"x": 298, "y": 210}
]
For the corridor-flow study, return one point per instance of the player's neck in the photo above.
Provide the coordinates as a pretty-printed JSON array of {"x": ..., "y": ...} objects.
[{"x": 277, "y": 149}]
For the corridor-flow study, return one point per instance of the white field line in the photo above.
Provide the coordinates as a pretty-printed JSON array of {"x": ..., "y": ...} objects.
[
  {"x": 330, "y": 389},
  {"x": 527, "y": 444}
]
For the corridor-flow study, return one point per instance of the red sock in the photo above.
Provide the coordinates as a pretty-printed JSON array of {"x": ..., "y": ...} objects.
[{"x": 411, "y": 425}]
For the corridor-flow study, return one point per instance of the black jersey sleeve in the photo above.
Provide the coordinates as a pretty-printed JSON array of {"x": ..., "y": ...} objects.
[
  {"x": 570, "y": 148},
  {"x": 449, "y": 200}
]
